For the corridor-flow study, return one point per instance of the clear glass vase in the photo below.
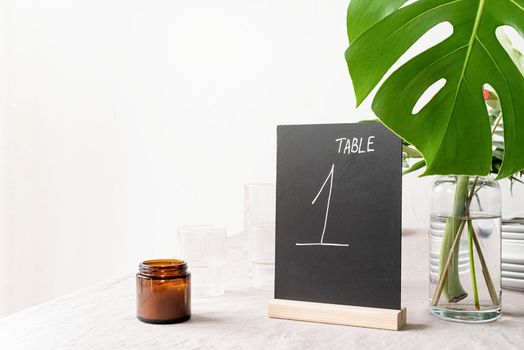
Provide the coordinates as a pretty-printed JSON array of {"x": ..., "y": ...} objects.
[{"x": 465, "y": 249}]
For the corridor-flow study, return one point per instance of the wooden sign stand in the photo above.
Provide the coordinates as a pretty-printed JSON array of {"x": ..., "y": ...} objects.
[{"x": 346, "y": 315}]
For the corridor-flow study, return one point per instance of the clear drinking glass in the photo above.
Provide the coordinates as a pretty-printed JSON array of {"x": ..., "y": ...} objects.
[
  {"x": 261, "y": 245},
  {"x": 259, "y": 204},
  {"x": 259, "y": 225},
  {"x": 465, "y": 249},
  {"x": 204, "y": 250}
]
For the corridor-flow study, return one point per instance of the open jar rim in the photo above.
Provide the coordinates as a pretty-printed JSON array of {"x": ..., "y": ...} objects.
[{"x": 162, "y": 268}]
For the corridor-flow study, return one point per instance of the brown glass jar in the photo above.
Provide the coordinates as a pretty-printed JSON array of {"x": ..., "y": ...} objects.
[{"x": 163, "y": 291}]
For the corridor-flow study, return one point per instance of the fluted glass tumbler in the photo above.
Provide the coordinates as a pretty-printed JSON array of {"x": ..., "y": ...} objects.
[
  {"x": 259, "y": 204},
  {"x": 259, "y": 226},
  {"x": 204, "y": 249}
]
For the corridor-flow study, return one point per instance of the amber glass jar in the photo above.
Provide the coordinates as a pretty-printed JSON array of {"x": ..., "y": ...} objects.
[{"x": 163, "y": 291}]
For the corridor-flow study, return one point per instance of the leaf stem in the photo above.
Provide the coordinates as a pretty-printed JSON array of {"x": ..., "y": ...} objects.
[
  {"x": 472, "y": 265},
  {"x": 444, "y": 273},
  {"x": 496, "y": 125},
  {"x": 454, "y": 246},
  {"x": 487, "y": 277},
  {"x": 453, "y": 288}
]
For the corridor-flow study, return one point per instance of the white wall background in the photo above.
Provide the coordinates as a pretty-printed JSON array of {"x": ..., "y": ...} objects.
[
  {"x": 129, "y": 118},
  {"x": 4, "y": 233}
]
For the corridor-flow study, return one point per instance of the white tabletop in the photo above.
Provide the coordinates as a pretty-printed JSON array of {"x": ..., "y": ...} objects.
[{"x": 103, "y": 317}]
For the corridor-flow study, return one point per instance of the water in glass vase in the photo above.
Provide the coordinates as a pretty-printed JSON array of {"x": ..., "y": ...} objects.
[{"x": 464, "y": 271}]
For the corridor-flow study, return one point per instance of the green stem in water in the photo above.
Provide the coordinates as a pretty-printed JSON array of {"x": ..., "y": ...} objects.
[
  {"x": 445, "y": 270},
  {"x": 487, "y": 276},
  {"x": 452, "y": 287},
  {"x": 472, "y": 265}
]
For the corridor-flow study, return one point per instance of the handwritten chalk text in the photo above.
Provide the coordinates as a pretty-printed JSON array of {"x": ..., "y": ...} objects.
[{"x": 355, "y": 145}]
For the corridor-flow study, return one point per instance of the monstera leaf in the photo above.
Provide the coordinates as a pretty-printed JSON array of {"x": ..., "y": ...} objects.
[{"x": 452, "y": 131}]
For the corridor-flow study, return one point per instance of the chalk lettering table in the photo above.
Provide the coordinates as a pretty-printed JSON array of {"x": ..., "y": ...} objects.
[{"x": 103, "y": 317}]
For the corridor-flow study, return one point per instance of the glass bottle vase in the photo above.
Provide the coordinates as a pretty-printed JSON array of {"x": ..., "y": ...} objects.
[{"x": 465, "y": 249}]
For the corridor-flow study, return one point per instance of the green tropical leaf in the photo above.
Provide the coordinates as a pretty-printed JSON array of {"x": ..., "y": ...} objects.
[
  {"x": 452, "y": 130},
  {"x": 418, "y": 165}
]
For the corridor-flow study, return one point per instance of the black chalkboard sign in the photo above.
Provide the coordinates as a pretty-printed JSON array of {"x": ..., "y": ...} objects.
[{"x": 338, "y": 214}]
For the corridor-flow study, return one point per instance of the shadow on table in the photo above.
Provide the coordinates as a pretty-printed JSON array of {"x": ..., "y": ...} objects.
[
  {"x": 205, "y": 319},
  {"x": 414, "y": 327},
  {"x": 513, "y": 313},
  {"x": 409, "y": 231}
]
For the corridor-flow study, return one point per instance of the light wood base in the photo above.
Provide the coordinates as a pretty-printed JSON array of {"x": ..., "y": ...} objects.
[{"x": 338, "y": 314}]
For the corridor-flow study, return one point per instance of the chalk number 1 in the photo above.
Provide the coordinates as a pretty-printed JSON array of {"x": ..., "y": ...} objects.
[{"x": 322, "y": 243}]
